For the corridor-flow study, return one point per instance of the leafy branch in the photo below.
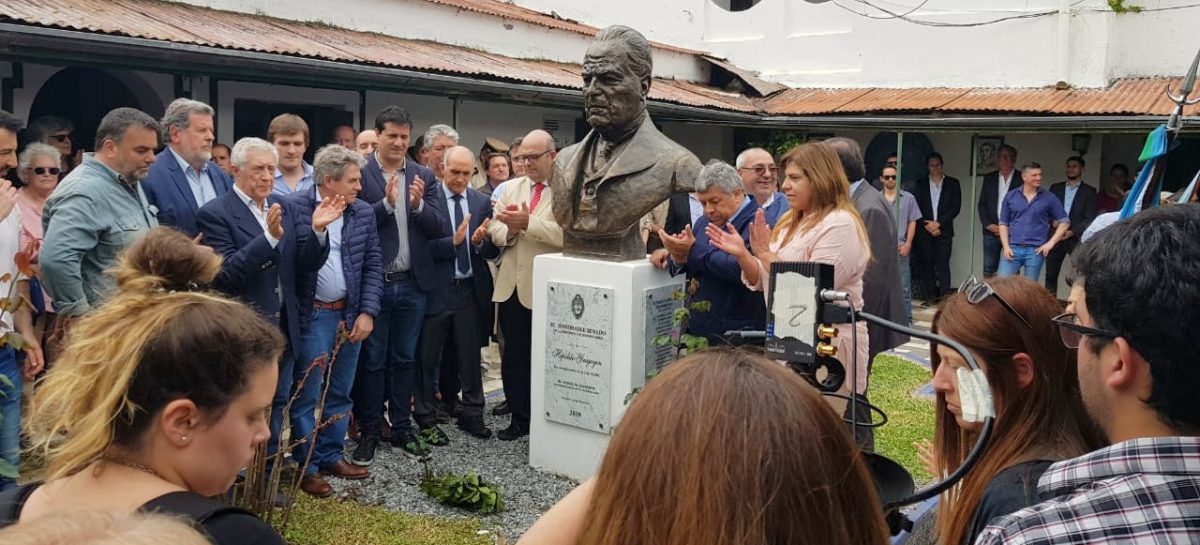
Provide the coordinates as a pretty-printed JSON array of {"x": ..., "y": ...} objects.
[
  {"x": 1119, "y": 6},
  {"x": 685, "y": 343},
  {"x": 468, "y": 491}
]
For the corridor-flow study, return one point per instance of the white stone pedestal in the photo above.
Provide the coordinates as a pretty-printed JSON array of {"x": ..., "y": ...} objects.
[{"x": 592, "y": 323}]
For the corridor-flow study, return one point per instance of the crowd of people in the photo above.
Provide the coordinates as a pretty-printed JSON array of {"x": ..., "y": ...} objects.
[{"x": 180, "y": 305}]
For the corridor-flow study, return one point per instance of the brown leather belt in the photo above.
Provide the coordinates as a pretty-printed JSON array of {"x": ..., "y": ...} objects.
[{"x": 340, "y": 304}]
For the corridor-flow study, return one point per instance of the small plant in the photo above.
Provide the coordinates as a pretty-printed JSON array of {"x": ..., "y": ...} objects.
[
  {"x": 685, "y": 343},
  {"x": 1118, "y": 6},
  {"x": 13, "y": 301},
  {"x": 468, "y": 491}
]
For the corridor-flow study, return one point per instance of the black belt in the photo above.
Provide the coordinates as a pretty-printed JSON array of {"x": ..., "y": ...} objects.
[
  {"x": 397, "y": 276},
  {"x": 463, "y": 282}
]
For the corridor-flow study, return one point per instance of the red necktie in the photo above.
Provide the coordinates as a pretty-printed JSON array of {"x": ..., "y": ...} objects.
[{"x": 537, "y": 196}]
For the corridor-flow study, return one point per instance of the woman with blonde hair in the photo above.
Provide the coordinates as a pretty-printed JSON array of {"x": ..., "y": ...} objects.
[
  {"x": 724, "y": 447},
  {"x": 158, "y": 400},
  {"x": 822, "y": 226},
  {"x": 104, "y": 528}
]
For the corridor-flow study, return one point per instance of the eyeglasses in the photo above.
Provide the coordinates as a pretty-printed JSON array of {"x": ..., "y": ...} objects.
[
  {"x": 762, "y": 169},
  {"x": 530, "y": 157},
  {"x": 43, "y": 170},
  {"x": 892, "y": 177},
  {"x": 1071, "y": 332},
  {"x": 60, "y": 137},
  {"x": 977, "y": 292}
]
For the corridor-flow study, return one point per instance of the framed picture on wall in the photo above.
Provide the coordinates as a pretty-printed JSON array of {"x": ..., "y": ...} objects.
[{"x": 987, "y": 148}]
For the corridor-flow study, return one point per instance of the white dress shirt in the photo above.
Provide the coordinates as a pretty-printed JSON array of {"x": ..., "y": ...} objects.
[
  {"x": 935, "y": 195},
  {"x": 259, "y": 213}
]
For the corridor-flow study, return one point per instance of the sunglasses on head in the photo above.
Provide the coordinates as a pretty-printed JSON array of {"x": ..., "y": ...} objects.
[
  {"x": 977, "y": 292},
  {"x": 46, "y": 170},
  {"x": 1071, "y": 332}
]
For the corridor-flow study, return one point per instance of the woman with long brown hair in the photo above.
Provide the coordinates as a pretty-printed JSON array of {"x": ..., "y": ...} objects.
[
  {"x": 158, "y": 400},
  {"x": 821, "y": 225},
  {"x": 1040, "y": 418},
  {"x": 725, "y": 447}
]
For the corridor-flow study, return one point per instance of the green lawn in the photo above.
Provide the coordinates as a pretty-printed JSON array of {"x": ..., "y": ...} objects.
[
  {"x": 894, "y": 382},
  {"x": 333, "y": 521}
]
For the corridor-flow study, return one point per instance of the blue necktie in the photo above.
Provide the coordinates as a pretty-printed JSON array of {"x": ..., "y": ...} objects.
[{"x": 461, "y": 260}]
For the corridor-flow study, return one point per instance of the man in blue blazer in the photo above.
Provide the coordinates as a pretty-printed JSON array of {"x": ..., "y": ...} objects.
[
  {"x": 343, "y": 296},
  {"x": 457, "y": 317},
  {"x": 183, "y": 178},
  {"x": 400, "y": 193},
  {"x": 718, "y": 275},
  {"x": 262, "y": 258}
]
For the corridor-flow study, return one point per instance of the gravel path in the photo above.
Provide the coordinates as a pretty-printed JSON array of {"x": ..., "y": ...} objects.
[{"x": 527, "y": 492}]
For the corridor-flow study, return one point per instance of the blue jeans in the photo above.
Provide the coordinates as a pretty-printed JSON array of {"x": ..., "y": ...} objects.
[
  {"x": 1024, "y": 257},
  {"x": 316, "y": 342},
  {"x": 991, "y": 254},
  {"x": 906, "y": 283},
  {"x": 392, "y": 345},
  {"x": 10, "y": 413},
  {"x": 283, "y": 392}
]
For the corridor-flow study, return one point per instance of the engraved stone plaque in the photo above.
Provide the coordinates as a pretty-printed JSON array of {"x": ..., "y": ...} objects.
[
  {"x": 660, "y": 321},
  {"x": 579, "y": 348}
]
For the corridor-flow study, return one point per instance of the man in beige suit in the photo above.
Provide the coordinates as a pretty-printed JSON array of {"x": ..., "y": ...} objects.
[{"x": 524, "y": 227}]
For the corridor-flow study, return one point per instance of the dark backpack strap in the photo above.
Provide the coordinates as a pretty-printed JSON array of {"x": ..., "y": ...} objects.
[
  {"x": 12, "y": 501},
  {"x": 191, "y": 505}
]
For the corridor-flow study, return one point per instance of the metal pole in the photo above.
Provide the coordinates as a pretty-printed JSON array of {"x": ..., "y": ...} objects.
[
  {"x": 899, "y": 157},
  {"x": 362, "y": 109},
  {"x": 975, "y": 197},
  {"x": 455, "y": 103}
]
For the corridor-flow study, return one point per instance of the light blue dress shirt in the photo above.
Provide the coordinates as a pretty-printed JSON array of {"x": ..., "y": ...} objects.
[
  {"x": 331, "y": 279},
  {"x": 462, "y": 205},
  {"x": 200, "y": 183},
  {"x": 1069, "y": 194},
  {"x": 281, "y": 187}
]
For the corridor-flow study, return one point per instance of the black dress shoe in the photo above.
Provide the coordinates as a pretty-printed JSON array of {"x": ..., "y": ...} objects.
[
  {"x": 474, "y": 426},
  {"x": 512, "y": 432},
  {"x": 501, "y": 409}
]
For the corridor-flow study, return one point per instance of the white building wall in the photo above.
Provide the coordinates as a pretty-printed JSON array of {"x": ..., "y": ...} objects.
[
  {"x": 823, "y": 45},
  {"x": 421, "y": 20}
]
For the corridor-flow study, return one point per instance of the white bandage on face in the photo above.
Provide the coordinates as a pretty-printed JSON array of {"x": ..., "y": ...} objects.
[{"x": 974, "y": 395}]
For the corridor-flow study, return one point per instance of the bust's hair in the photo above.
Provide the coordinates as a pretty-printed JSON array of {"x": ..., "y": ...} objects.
[{"x": 637, "y": 51}]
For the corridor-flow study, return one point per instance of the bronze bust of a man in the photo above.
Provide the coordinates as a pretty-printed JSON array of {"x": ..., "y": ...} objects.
[{"x": 624, "y": 167}]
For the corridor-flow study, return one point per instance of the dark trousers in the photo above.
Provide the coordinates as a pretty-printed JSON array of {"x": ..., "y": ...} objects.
[
  {"x": 1054, "y": 263},
  {"x": 932, "y": 259},
  {"x": 991, "y": 254},
  {"x": 390, "y": 353},
  {"x": 457, "y": 327},
  {"x": 517, "y": 323}
]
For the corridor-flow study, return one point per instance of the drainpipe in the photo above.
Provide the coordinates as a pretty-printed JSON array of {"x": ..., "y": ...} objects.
[
  {"x": 455, "y": 104},
  {"x": 899, "y": 156},
  {"x": 1063, "y": 66},
  {"x": 362, "y": 109}
]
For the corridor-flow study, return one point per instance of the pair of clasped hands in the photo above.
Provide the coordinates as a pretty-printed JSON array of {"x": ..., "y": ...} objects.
[{"x": 727, "y": 240}]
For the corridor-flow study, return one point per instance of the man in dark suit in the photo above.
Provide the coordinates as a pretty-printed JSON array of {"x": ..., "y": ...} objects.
[
  {"x": 459, "y": 303},
  {"x": 883, "y": 295},
  {"x": 1079, "y": 199},
  {"x": 400, "y": 192},
  {"x": 940, "y": 199},
  {"x": 184, "y": 178},
  {"x": 717, "y": 274},
  {"x": 995, "y": 186},
  {"x": 261, "y": 257}
]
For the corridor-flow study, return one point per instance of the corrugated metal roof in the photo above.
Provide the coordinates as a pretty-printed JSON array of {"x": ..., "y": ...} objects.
[
  {"x": 810, "y": 101},
  {"x": 509, "y": 10},
  {"x": 901, "y": 100},
  {"x": 1124, "y": 97},
  {"x": 188, "y": 24}
]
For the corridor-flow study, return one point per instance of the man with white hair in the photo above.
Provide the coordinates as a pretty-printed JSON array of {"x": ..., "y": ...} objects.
[
  {"x": 719, "y": 277},
  {"x": 438, "y": 139},
  {"x": 184, "y": 178},
  {"x": 260, "y": 256}
]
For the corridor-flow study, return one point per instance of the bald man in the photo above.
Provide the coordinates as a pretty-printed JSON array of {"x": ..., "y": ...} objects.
[
  {"x": 756, "y": 167},
  {"x": 458, "y": 309},
  {"x": 366, "y": 142},
  {"x": 524, "y": 227}
]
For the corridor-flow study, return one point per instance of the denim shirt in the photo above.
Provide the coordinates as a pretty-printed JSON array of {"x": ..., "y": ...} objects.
[{"x": 91, "y": 217}]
